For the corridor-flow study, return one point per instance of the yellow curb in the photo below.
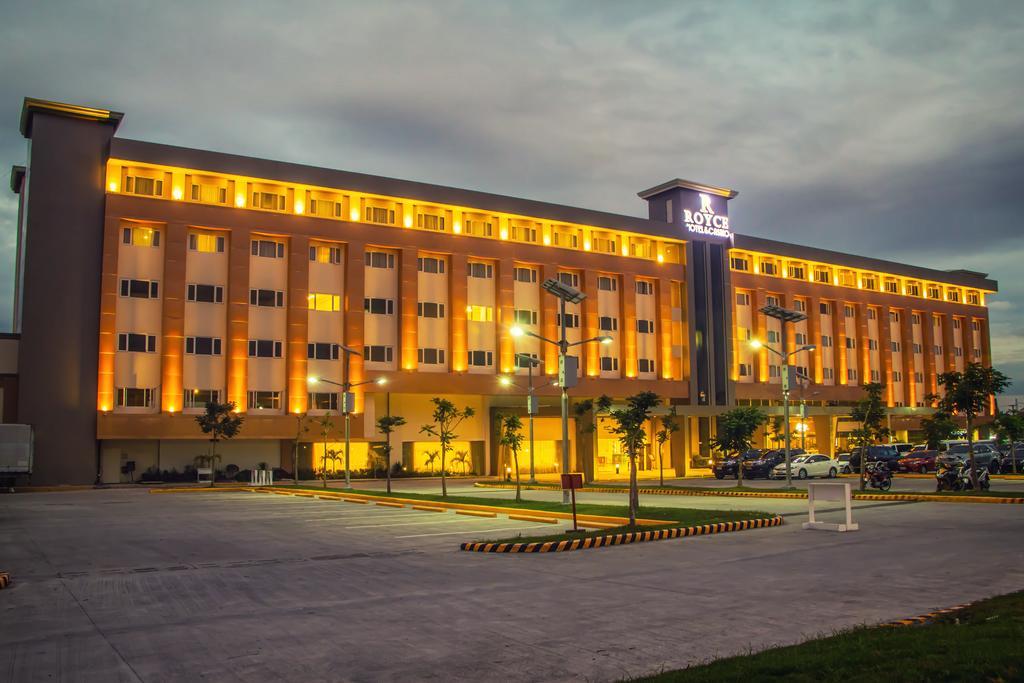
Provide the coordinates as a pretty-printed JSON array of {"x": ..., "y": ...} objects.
[
  {"x": 925, "y": 618},
  {"x": 620, "y": 538},
  {"x": 305, "y": 495},
  {"x": 530, "y": 518},
  {"x": 427, "y": 508},
  {"x": 476, "y": 513},
  {"x": 355, "y": 500},
  {"x": 388, "y": 504}
]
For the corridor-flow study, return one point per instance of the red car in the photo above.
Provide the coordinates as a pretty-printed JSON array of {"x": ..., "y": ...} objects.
[{"x": 917, "y": 461}]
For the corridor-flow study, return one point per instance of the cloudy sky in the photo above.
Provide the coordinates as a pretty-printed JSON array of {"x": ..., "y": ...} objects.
[{"x": 890, "y": 129}]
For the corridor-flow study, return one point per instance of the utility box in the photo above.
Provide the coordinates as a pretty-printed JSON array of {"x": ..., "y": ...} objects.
[
  {"x": 531, "y": 405},
  {"x": 568, "y": 371}
]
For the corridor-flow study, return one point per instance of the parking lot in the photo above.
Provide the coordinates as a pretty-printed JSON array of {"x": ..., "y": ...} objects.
[{"x": 126, "y": 585}]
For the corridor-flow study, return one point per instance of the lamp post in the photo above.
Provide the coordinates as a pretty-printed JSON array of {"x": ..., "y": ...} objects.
[
  {"x": 784, "y": 316},
  {"x": 567, "y": 365},
  {"x": 531, "y": 399},
  {"x": 347, "y": 402}
]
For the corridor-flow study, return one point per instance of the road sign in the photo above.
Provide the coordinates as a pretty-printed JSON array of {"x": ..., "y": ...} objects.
[{"x": 573, "y": 480}]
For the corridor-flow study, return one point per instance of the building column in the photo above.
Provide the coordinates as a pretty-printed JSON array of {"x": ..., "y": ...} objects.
[
  {"x": 910, "y": 397},
  {"x": 591, "y": 361},
  {"x": 505, "y": 301},
  {"x": 549, "y": 321},
  {"x": 627, "y": 324},
  {"x": 408, "y": 330},
  {"x": 297, "y": 323},
  {"x": 667, "y": 366},
  {"x": 928, "y": 344},
  {"x": 354, "y": 278},
  {"x": 458, "y": 296},
  {"x": 108, "y": 315},
  {"x": 238, "y": 318},
  {"x": 885, "y": 366},
  {"x": 173, "y": 318}
]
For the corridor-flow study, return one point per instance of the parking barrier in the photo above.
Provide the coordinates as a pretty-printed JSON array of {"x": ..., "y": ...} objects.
[{"x": 925, "y": 618}]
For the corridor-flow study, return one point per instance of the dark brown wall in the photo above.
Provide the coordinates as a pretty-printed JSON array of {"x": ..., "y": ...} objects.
[{"x": 60, "y": 320}]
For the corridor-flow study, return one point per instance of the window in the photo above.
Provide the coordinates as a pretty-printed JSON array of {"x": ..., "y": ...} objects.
[
  {"x": 974, "y": 298},
  {"x": 376, "y": 214},
  {"x": 774, "y": 371},
  {"x": 526, "y": 360},
  {"x": 607, "y": 284},
  {"x": 264, "y": 400},
  {"x": 209, "y": 194},
  {"x": 919, "y": 377},
  {"x": 202, "y": 346},
  {"x": 826, "y": 341},
  {"x": 268, "y": 200},
  {"x": 522, "y": 316},
  {"x": 771, "y": 300},
  {"x": 323, "y": 400},
  {"x": 958, "y": 351},
  {"x": 322, "y": 351},
  {"x": 479, "y": 314},
  {"x": 797, "y": 271},
  {"x": 915, "y": 318},
  {"x": 868, "y": 282},
  {"x": 572, "y": 320},
  {"x": 872, "y": 344},
  {"x": 976, "y": 325},
  {"x": 977, "y": 354},
  {"x": 264, "y": 348},
  {"x": 746, "y": 370},
  {"x": 484, "y": 271},
  {"x": 742, "y": 299},
  {"x": 266, "y": 297},
  {"x": 570, "y": 279},
  {"x": 206, "y": 243},
  {"x": 892, "y": 286},
  {"x": 139, "y": 236},
  {"x": 741, "y": 263},
  {"x": 325, "y": 255},
  {"x": 430, "y": 222},
  {"x": 149, "y": 187},
  {"x": 825, "y": 308},
  {"x": 645, "y": 288},
  {"x": 827, "y": 374},
  {"x": 140, "y": 289},
  {"x": 565, "y": 238},
  {"x": 773, "y": 337},
  {"x": 769, "y": 268},
  {"x": 956, "y": 323},
  {"x": 823, "y": 276},
  {"x": 379, "y": 259},
  {"x": 130, "y": 397},
  {"x": 267, "y": 248},
  {"x": 934, "y": 292},
  {"x": 847, "y": 278},
  {"x": 326, "y": 209},
  {"x": 953, "y": 295},
  {"x": 379, "y": 306},
  {"x": 430, "y": 356},
  {"x": 198, "y": 398},
  {"x": 937, "y": 349},
  {"x": 524, "y": 234},
  {"x": 607, "y": 323},
  {"x": 871, "y": 314},
  {"x": 324, "y": 302},
  {"x": 210, "y": 294},
  {"x": 136, "y": 343},
  {"x": 524, "y": 275},
  {"x": 895, "y": 346},
  {"x": 645, "y": 326},
  {"x": 645, "y": 365},
  {"x": 897, "y": 376},
  {"x": 849, "y": 311},
  {"x": 800, "y": 338},
  {"x": 604, "y": 244},
  {"x": 481, "y": 359},
  {"x": 479, "y": 228},
  {"x": 378, "y": 354},
  {"x": 426, "y": 264},
  {"x": 851, "y": 343},
  {"x": 609, "y": 364},
  {"x": 913, "y": 289},
  {"x": 917, "y": 348},
  {"x": 799, "y": 305},
  {"x": 876, "y": 376},
  {"x": 429, "y": 309},
  {"x": 851, "y": 374}
]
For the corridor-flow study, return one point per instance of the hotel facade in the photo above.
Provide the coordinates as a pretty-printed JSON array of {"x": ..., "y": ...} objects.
[{"x": 152, "y": 279}]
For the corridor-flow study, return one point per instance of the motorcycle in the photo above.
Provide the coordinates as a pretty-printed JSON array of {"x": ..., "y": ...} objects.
[
  {"x": 879, "y": 476},
  {"x": 958, "y": 478}
]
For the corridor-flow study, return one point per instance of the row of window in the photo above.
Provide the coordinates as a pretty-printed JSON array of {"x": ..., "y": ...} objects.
[{"x": 131, "y": 397}]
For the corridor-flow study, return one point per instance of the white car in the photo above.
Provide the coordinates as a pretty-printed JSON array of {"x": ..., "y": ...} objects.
[{"x": 810, "y": 465}]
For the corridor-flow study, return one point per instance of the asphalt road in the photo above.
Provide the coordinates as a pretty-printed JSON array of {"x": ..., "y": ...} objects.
[{"x": 124, "y": 585}]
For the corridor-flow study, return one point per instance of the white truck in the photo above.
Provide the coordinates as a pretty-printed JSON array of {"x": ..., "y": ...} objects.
[{"x": 15, "y": 454}]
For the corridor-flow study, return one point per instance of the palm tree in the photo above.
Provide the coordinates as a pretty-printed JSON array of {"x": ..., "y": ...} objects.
[
  {"x": 386, "y": 425},
  {"x": 325, "y": 429},
  {"x": 668, "y": 427},
  {"x": 431, "y": 456},
  {"x": 446, "y": 419},
  {"x": 220, "y": 421},
  {"x": 512, "y": 439},
  {"x": 462, "y": 457}
]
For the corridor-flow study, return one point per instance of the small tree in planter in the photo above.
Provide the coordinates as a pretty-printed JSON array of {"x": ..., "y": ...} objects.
[
  {"x": 512, "y": 439},
  {"x": 669, "y": 426},
  {"x": 220, "y": 421},
  {"x": 386, "y": 425},
  {"x": 870, "y": 413},
  {"x": 326, "y": 426},
  {"x": 447, "y": 418},
  {"x": 629, "y": 426},
  {"x": 736, "y": 430}
]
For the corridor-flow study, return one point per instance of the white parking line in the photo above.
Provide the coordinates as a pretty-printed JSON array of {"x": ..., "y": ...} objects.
[
  {"x": 434, "y": 521},
  {"x": 357, "y": 517},
  {"x": 477, "y": 531}
]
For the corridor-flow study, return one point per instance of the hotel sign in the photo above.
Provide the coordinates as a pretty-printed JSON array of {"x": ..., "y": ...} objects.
[{"x": 705, "y": 221}]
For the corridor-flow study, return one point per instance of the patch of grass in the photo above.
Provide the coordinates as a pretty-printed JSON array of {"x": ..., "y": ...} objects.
[
  {"x": 978, "y": 643},
  {"x": 855, "y": 489}
]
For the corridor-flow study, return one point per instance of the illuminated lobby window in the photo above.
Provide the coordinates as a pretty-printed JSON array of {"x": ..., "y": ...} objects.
[
  {"x": 324, "y": 302},
  {"x": 140, "y": 236},
  {"x": 206, "y": 243},
  {"x": 325, "y": 254}
]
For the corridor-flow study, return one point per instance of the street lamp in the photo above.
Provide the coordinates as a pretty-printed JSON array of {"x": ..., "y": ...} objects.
[
  {"x": 568, "y": 366},
  {"x": 347, "y": 402},
  {"x": 785, "y": 317},
  {"x": 531, "y": 399}
]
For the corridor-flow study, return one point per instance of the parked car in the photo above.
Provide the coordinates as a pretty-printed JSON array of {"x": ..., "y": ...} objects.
[
  {"x": 1014, "y": 458},
  {"x": 810, "y": 465},
  {"x": 763, "y": 465},
  {"x": 887, "y": 454},
  {"x": 919, "y": 447},
  {"x": 949, "y": 443},
  {"x": 728, "y": 467},
  {"x": 903, "y": 447},
  {"x": 917, "y": 461},
  {"x": 844, "y": 463},
  {"x": 984, "y": 456}
]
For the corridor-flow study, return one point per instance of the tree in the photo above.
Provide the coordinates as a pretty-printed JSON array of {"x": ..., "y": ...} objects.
[
  {"x": 735, "y": 431},
  {"x": 1010, "y": 428},
  {"x": 512, "y": 439},
  {"x": 431, "y": 458},
  {"x": 630, "y": 426},
  {"x": 325, "y": 429},
  {"x": 446, "y": 418},
  {"x": 220, "y": 421},
  {"x": 777, "y": 430},
  {"x": 669, "y": 426},
  {"x": 938, "y": 427},
  {"x": 968, "y": 393},
  {"x": 581, "y": 410},
  {"x": 870, "y": 413},
  {"x": 386, "y": 425},
  {"x": 462, "y": 458}
]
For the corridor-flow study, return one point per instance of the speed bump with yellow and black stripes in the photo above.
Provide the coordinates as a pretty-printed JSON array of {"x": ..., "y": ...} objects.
[{"x": 620, "y": 539}]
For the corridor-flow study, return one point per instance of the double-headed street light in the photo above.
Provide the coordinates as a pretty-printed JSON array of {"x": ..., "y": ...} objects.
[
  {"x": 531, "y": 400},
  {"x": 348, "y": 400},
  {"x": 568, "y": 366},
  {"x": 784, "y": 316}
]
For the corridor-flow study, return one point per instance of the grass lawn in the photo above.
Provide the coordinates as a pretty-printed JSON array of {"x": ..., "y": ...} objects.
[
  {"x": 673, "y": 516},
  {"x": 984, "y": 642},
  {"x": 856, "y": 490}
]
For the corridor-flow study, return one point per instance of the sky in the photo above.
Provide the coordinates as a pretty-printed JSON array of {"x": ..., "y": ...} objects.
[{"x": 888, "y": 129}]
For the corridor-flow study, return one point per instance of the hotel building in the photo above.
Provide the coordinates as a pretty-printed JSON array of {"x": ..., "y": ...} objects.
[{"x": 152, "y": 279}]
